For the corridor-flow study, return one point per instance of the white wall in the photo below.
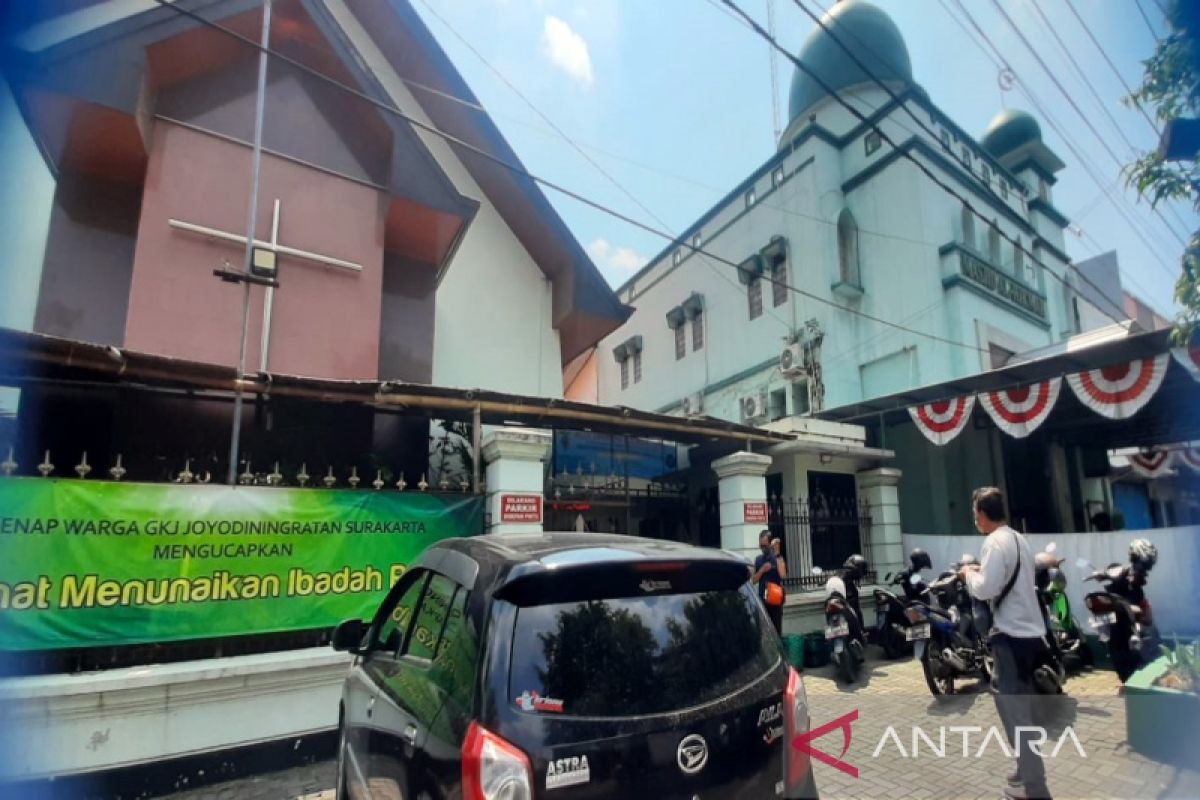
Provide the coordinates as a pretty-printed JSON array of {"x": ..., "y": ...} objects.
[
  {"x": 1172, "y": 586},
  {"x": 492, "y": 284},
  {"x": 903, "y": 219}
]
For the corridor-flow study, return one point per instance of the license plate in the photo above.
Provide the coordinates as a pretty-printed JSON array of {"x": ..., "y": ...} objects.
[
  {"x": 917, "y": 632},
  {"x": 834, "y": 631},
  {"x": 1104, "y": 619}
]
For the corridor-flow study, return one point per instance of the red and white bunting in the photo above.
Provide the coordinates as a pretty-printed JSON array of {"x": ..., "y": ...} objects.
[
  {"x": 1018, "y": 412},
  {"x": 943, "y": 420},
  {"x": 1151, "y": 463},
  {"x": 1190, "y": 458},
  {"x": 1119, "y": 391},
  {"x": 1189, "y": 359}
]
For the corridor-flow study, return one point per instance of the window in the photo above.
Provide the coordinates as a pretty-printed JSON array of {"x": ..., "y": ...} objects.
[
  {"x": 1043, "y": 190},
  {"x": 637, "y": 366},
  {"x": 945, "y": 140},
  {"x": 696, "y": 241},
  {"x": 966, "y": 156},
  {"x": 779, "y": 287},
  {"x": 872, "y": 141},
  {"x": 1019, "y": 261},
  {"x": 1004, "y": 189},
  {"x": 394, "y": 626},
  {"x": 777, "y": 404},
  {"x": 457, "y": 654},
  {"x": 625, "y": 374},
  {"x": 985, "y": 173},
  {"x": 431, "y": 617},
  {"x": 968, "y": 227},
  {"x": 801, "y": 402},
  {"x": 848, "y": 257},
  {"x": 680, "y": 343},
  {"x": 677, "y": 256},
  {"x": 994, "y": 243},
  {"x": 697, "y": 331},
  {"x": 754, "y": 293},
  {"x": 636, "y": 656},
  {"x": 777, "y": 176},
  {"x": 751, "y": 198}
]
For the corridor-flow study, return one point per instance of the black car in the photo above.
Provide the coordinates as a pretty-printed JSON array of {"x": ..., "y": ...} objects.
[{"x": 570, "y": 665}]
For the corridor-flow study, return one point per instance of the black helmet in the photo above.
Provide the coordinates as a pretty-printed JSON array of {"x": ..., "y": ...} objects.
[
  {"x": 919, "y": 559},
  {"x": 1142, "y": 554},
  {"x": 855, "y": 566}
]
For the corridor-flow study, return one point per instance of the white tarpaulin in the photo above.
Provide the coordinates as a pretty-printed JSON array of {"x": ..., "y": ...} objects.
[{"x": 1172, "y": 588}]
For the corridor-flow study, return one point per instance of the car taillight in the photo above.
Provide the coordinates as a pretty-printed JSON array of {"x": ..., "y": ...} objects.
[
  {"x": 833, "y": 606},
  {"x": 1099, "y": 603},
  {"x": 795, "y": 712},
  {"x": 915, "y": 614},
  {"x": 493, "y": 769}
]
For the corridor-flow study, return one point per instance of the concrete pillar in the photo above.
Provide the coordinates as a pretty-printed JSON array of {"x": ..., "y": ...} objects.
[
  {"x": 742, "y": 492},
  {"x": 515, "y": 479},
  {"x": 884, "y": 547}
]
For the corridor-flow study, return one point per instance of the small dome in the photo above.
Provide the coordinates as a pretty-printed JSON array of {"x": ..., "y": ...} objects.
[
  {"x": 1008, "y": 130},
  {"x": 861, "y": 28}
]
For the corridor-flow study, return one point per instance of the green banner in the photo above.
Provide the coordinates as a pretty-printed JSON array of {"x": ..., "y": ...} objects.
[{"x": 86, "y": 564}]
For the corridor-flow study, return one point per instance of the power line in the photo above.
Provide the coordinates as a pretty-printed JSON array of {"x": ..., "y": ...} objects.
[
  {"x": 904, "y": 153},
  {"x": 1112, "y": 66},
  {"x": 1149, "y": 25},
  {"x": 542, "y": 181},
  {"x": 1071, "y": 101},
  {"x": 1084, "y": 162},
  {"x": 563, "y": 134}
]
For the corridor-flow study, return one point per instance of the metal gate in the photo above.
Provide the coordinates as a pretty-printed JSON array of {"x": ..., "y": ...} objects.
[{"x": 822, "y": 534}]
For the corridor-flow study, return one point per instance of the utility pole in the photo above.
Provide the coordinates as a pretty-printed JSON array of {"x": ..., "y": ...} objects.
[{"x": 252, "y": 215}]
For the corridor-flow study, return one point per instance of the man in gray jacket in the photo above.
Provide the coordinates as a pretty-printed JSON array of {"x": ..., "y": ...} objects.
[{"x": 1005, "y": 577}]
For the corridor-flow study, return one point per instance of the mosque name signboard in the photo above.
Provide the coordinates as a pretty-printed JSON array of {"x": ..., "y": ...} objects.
[{"x": 984, "y": 275}]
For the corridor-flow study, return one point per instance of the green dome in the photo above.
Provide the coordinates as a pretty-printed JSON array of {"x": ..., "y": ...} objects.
[
  {"x": 1008, "y": 130},
  {"x": 867, "y": 32}
]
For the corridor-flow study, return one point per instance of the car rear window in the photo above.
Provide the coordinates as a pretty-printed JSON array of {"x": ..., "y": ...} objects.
[{"x": 639, "y": 655}]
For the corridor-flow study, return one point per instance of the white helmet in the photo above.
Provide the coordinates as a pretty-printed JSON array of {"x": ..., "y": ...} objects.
[{"x": 1143, "y": 553}]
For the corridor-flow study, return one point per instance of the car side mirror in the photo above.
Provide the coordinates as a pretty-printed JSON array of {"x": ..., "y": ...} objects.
[{"x": 348, "y": 636}]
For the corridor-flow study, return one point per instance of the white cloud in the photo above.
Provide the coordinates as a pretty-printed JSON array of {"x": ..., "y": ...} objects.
[
  {"x": 567, "y": 49},
  {"x": 618, "y": 262}
]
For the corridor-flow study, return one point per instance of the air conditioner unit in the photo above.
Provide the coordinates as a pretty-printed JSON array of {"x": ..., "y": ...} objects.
[
  {"x": 802, "y": 399},
  {"x": 754, "y": 406},
  {"x": 692, "y": 405},
  {"x": 791, "y": 362}
]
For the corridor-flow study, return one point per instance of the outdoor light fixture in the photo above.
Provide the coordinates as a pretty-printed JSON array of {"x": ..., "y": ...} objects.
[
  {"x": 826, "y": 458},
  {"x": 263, "y": 263}
]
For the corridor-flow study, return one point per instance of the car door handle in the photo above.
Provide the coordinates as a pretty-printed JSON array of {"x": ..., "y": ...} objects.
[
  {"x": 410, "y": 735},
  {"x": 371, "y": 706}
]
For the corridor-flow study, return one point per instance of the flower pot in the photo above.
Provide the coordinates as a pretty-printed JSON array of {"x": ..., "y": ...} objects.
[{"x": 1161, "y": 723}]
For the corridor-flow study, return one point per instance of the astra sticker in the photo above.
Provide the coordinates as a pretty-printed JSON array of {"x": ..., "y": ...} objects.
[
  {"x": 567, "y": 772},
  {"x": 770, "y": 714},
  {"x": 532, "y": 701}
]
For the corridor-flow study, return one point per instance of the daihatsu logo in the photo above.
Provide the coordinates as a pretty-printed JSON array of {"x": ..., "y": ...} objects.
[{"x": 692, "y": 754}]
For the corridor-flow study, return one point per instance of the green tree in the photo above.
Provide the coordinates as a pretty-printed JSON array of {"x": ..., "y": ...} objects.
[{"x": 1171, "y": 87}]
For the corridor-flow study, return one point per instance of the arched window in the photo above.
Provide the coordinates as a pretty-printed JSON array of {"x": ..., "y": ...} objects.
[
  {"x": 994, "y": 243},
  {"x": 968, "y": 227},
  {"x": 848, "y": 263}
]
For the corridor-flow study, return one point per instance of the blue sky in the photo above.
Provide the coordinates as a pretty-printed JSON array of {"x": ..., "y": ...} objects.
[{"x": 672, "y": 98}]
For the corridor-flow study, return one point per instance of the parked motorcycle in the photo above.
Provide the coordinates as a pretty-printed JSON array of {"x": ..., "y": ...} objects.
[
  {"x": 949, "y": 632},
  {"x": 843, "y": 617},
  {"x": 1064, "y": 635},
  {"x": 1121, "y": 614},
  {"x": 891, "y": 623}
]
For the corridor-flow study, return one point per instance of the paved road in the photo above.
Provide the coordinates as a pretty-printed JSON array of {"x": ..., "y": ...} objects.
[{"x": 893, "y": 695}]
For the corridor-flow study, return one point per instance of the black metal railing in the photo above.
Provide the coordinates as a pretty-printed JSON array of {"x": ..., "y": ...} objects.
[{"x": 817, "y": 532}]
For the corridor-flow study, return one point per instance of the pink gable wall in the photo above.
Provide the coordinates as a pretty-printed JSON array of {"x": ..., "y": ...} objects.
[{"x": 326, "y": 321}]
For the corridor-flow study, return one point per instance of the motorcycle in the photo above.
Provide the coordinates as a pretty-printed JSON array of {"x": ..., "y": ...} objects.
[
  {"x": 891, "y": 625},
  {"x": 1064, "y": 635},
  {"x": 842, "y": 626},
  {"x": 1121, "y": 613},
  {"x": 949, "y": 632}
]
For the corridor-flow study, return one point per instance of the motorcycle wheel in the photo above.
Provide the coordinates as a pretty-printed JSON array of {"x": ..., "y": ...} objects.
[
  {"x": 847, "y": 665},
  {"x": 938, "y": 687}
]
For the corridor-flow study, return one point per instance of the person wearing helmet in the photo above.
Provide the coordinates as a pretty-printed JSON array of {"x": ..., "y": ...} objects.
[
  {"x": 1005, "y": 577},
  {"x": 918, "y": 559},
  {"x": 854, "y": 570}
]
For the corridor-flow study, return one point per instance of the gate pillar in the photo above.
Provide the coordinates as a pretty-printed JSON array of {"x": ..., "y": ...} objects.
[
  {"x": 515, "y": 479},
  {"x": 883, "y": 544},
  {"x": 742, "y": 493}
]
